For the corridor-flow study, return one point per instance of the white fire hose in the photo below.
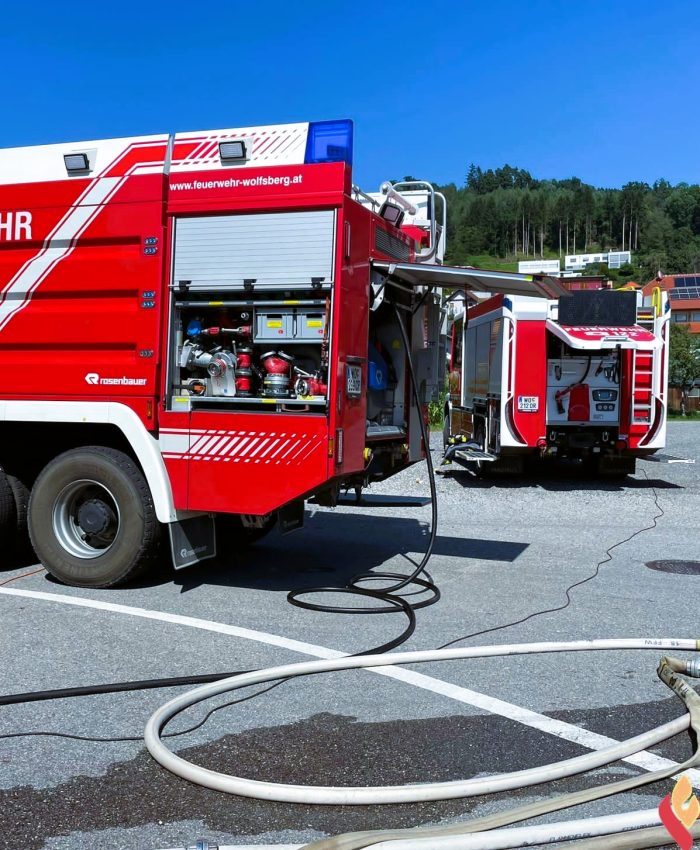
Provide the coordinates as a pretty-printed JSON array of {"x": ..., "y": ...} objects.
[{"x": 454, "y": 837}]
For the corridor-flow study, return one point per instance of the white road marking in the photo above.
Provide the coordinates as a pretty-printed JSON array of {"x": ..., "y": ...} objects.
[
  {"x": 534, "y": 720},
  {"x": 179, "y": 619}
]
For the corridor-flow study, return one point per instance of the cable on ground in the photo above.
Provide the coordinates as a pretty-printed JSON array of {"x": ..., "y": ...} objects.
[
  {"x": 139, "y": 738},
  {"x": 580, "y": 583},
  {"x": 23, "y": 575}
]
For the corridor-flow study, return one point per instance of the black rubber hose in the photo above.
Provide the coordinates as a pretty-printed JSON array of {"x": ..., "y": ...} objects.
[
  {"x": 201, "y": 679},
  {"x": 116, "y": 687},
  {"x": 388, "y": 594}
]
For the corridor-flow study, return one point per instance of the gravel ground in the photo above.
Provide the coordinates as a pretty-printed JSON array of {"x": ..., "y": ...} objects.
[{"x": 506, "y": 549}]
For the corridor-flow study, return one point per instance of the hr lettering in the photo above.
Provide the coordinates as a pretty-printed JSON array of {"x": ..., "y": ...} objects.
[{"x": 15, "y": 225}]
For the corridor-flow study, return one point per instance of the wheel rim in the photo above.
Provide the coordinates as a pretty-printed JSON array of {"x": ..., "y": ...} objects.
[{"x": 86, "y": 519}]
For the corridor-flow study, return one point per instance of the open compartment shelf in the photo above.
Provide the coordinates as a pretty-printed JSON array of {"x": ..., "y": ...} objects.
[{"x": 254, "y": 351}]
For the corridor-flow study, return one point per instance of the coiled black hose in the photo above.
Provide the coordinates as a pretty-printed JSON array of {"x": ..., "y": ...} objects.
[{"x": 389, "y": 595}]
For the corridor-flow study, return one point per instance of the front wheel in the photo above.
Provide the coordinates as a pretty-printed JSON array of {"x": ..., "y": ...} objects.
[{"x": 92, "y": 521}]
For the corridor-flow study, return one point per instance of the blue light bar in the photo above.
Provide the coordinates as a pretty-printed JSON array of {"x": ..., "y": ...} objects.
[{"x": 329, "y": 141}]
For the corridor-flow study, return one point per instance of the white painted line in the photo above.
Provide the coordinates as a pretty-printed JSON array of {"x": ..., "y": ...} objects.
[
  {"x": 180, "y": 620},
  {"x": 534, "y": 720}
]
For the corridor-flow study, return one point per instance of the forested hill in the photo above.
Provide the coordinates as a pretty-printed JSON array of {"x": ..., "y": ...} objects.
[{"x": 502, "y": 215}]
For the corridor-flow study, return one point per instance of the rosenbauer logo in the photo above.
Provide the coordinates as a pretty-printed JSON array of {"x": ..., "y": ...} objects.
[
  {"x": 95, "y": 380},
  {"x": 679, "y": 811}
]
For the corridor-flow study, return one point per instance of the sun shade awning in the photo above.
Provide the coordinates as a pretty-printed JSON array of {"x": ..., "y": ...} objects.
[
  {"x": 596, "y": 337},
  {"x": 478, "y": 280}
]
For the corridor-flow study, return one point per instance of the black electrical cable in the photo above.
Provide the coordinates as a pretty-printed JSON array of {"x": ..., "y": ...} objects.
[
  {"x": 116, "y": 687},
  {"x": 387, "y": 594},
  {"x": 126, "y": 739},
  {"x": 142, "y": 684},
  {"x": 573, "y": 586}
]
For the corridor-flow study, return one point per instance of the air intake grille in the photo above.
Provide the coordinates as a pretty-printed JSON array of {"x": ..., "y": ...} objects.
[{"x": 390, "y": 245}]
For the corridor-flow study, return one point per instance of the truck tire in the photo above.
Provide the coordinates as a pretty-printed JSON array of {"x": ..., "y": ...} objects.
[
  {"x": 20, "y": 494},
  {"x": 446, "y": 427},
  {"x": 7, "y": 514},
  {"x": 92, "y": 522}
]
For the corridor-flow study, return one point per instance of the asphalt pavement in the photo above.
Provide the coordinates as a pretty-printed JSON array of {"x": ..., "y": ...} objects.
[{"x": 506, "y": 549}]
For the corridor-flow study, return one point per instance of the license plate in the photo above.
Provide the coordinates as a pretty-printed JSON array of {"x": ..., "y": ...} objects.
[
  {"x": 353, "y": 381},
  {"x": 529, "y": 403}
]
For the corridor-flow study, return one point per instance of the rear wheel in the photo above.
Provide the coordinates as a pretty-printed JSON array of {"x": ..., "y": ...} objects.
[
  {"x": 446, "y": 430},
  {"x": 232, "y": 535},
  {"x": 20, "y": 495},
  {"x": 8, "y": 518},
  {"x": 92, "y": 521}
]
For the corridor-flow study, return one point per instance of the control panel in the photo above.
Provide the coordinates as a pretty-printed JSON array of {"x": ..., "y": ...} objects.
[{"x": 584, "y": 390}]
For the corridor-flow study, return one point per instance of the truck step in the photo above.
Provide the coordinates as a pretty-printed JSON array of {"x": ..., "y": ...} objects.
[
  {"x": 475, "y": 454},
  {"x": 664, "y": 458},
  {"x": 466, "y": 452}
]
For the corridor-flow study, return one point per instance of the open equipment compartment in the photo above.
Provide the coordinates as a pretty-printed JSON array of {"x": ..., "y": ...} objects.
[{"x": 251, "y": 311}]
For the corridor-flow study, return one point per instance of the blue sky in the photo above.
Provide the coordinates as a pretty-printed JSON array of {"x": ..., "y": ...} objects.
[{"x": 607, "y": 91}]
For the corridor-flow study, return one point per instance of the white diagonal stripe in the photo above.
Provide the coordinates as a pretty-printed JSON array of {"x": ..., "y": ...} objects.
[{"x": 16, "y": 294}]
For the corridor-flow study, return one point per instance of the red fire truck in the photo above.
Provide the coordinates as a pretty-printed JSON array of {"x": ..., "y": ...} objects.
[
  {"x": 200, "y": 331},
  {"x": 583, "y": 375}
]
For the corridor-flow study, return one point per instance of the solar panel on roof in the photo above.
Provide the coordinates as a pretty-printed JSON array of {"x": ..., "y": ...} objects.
[{"x": 685, "y": 293}]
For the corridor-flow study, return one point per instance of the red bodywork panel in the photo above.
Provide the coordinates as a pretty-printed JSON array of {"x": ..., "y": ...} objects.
[
  {"x": 272, "y": 187},
  {"x": 530, "y": 368},
  {"x": 253, "y": 463}
]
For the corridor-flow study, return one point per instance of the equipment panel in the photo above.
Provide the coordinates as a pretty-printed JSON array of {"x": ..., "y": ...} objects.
[
  {"x": 250, "y": 352},
  {"x": 584, "y": 390}
]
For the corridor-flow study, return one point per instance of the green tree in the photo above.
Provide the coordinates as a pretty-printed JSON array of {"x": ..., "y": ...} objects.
[{"x": 684, "y": 362}]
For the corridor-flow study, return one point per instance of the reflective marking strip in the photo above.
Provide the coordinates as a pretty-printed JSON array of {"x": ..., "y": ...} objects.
[
  {"x": 262, "y": 444},
  {"x": 203, "y": 447},
  {"x": 226, "y": 445},
  {"x": 250, "y": 446},
  {"x": 269, "y": 448},
  {"x": 239, "y": 446},
  {"x": 290, "y": 449}
]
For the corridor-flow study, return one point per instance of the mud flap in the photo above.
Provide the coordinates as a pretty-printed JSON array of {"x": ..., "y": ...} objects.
[
  {"x": 192, "y": 540},
  {"x": 291, "y": 516}
]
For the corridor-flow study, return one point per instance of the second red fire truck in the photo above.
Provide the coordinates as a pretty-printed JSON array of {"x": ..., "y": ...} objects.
[{"x": 582, "y": 375}]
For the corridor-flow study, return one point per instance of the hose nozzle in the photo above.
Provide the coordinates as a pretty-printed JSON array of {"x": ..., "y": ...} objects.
[{"x": 692, "y": 668}]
